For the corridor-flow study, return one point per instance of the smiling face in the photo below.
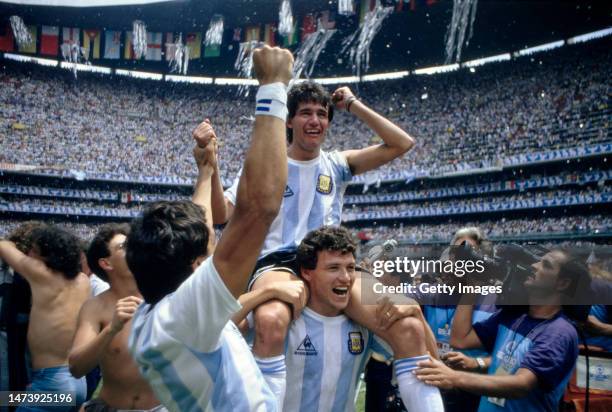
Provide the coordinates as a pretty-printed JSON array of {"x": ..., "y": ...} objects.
[
  {"x": 330, "y": 282},
  {"x": 308, "y": 126}
]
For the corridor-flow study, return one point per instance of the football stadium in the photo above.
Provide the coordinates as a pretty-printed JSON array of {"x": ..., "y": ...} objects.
[{"x": 286, "y": 205}]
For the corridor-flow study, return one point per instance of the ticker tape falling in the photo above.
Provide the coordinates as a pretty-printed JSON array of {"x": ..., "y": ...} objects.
[{"x": 358, "y": 44}]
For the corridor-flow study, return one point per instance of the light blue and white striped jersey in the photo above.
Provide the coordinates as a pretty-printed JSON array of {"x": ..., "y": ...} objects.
[
  {"x": 325, "y": 357},
  {"x": 313, "y": 197},
  {"x": 192, "y": 356}
]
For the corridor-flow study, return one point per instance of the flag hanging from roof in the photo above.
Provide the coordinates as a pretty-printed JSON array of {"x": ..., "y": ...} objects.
[
  {"x": 71, "y": 35},
  {"x": 128, "y": 49},
  {"x": 237, "y": 34},
  {"x": 366, "y": 7},
  {"x": 91, "y": 43},
  {"x": 49, "y": 40},
  {"x": 30, "y": 47},
  {"x": 194, "y": 42},
  {"x": 112, "y": 44},
  {"x": 291, "y": 39},
  {"x": 270, "y": 34},
  {"x": 6, "y": 38},
  {"x": 170, "y": 46},
  {"x": 154, "y": 46},
  {"x": 309, "y": 25},
  {"x": 212, "y": 50},
  {"x": 252, "y": 33}
]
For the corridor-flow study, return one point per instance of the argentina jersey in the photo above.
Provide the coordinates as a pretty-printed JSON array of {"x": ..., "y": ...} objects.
[
  {"x": 325, "y": 357},
  {"x": 193, "y": 357},
  {"x": 313, "y": 197}
]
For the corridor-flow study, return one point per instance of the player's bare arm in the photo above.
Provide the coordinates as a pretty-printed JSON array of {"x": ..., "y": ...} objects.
[
  {"x": 33, "y": 270},
  {"x": 91, "y": 339},
  {"x": 396, "y": 141},
  {"x": 205, "y": 154},
  {"x": 518, "y": 385},
  {"x": 463, "y": 336},
  {"x": 292, "y": 292},
  {"x": 261, "y": 185}
]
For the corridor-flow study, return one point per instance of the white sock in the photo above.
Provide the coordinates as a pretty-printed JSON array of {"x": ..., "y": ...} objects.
[
  {"x": 416, "y": 395},
  {"x": 274, "y": 372}
]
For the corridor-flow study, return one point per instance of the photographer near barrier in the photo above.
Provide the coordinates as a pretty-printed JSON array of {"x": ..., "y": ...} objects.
[{"x": 543, "y": 301}]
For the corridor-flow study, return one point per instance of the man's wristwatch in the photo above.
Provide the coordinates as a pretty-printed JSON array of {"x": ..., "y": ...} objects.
[{"x": 481, "y": 364}]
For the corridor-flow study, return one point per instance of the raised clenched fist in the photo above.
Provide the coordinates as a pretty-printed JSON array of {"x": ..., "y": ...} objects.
[
  {"x": 342, "y": 98},
  {"x": 124, "y": 312},
  {"x": 272, "y": 64},
  {"x": 203, "y": 133}
]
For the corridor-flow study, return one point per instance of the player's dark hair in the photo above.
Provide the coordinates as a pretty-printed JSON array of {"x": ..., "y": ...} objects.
[
  {"x": 331, "y": 238},
  {"x": 98, "y": 247},
  {"x": 21, "y": 236},
  {"x": 163, "y": 244},
  {"x": 577, "y": 272},
  {"x": 307, "y": 92},
  {"x": 59, "y": 249}
]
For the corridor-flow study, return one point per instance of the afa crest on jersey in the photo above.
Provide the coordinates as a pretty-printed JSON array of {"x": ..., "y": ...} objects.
[
  {"x": 324, "y": 184},
  {"x": 355, "y": 343}
]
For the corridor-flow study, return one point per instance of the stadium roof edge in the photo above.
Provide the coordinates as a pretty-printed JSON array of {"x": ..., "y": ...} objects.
[
  {"x": 331, "y": 80},
  {"x": 83, "y": 3}
]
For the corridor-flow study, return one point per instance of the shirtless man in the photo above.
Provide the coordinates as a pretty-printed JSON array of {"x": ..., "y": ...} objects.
[
  {"x": 52, "y": 269},
  {"x": 104, "y": 326}
]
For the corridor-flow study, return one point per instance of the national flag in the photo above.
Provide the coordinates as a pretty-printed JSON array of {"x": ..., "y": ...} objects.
[
  {"x": 366, "y": 7},
  {"x": 49, "y": 40},
  {"x": 270, "y": 34},
  {"x": 252, "y": 34},
  {"x": 128, "y": 49},
  {"x": 328, "y": 20},
  {"x": 112, "y": 44},
  {"x": 170, "y": 46},
  {"x": 309, "y": 25},
  {"x": 194, "y": 42},
  {"x": 30, "y": 47},
  {"x": 91, "y": 43},
  {"x": 291, "y": 39},
  {"x": 154, "y": 45},
  {"x": 212, "y": 50},
  {"x": 237, "y": 34},
  {"x": 71, "y": 35},
  {"x": 7, "y": 43}
]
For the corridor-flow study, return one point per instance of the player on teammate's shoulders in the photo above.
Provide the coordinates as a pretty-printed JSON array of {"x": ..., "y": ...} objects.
[
  {"x": 313, "y": 197},
  {"x": 326, "y": 351}
]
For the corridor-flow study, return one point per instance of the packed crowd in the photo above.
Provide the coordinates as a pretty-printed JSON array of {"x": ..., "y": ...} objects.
[
  {"x": 137, "y": 127},
  {"x": 418, "y": 232},
  {"x": 513, "y": 199},
  {"x": 493, "y": 228}
]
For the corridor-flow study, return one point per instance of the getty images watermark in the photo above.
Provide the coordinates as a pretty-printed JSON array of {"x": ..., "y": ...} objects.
[
  {"x": 411, "y": 267},
  {"x": 500, "y": 274}
]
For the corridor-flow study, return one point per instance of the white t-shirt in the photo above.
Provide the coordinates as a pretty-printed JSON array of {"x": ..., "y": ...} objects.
[{"x": 193, "y": 357}]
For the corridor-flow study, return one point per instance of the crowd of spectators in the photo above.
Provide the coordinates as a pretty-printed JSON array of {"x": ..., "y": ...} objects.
[
  {"x": 532, "y": 198},
  {"x": 441, "y": 232},
  {"x": 492, "y": 228},
  {"x": 125, "y": 126}
]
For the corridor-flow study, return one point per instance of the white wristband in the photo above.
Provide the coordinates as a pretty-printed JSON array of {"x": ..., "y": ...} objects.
[{"x": 272, "y": 101}]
